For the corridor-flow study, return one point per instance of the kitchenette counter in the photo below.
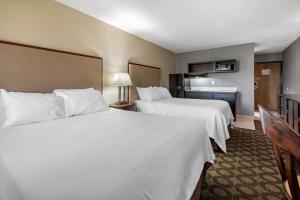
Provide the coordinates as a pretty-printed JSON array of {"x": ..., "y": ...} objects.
[
  {"x": 216, "y": 93},
  {"x": 212, "y": 89}
]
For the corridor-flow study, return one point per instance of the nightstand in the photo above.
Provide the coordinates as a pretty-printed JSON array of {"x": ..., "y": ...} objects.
[{"x": 131, "y": 106}]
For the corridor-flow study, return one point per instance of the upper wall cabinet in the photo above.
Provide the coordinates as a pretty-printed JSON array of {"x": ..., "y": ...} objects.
[{"x": 224, "y": 66}]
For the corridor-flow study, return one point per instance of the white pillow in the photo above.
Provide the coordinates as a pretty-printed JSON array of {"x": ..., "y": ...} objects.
[
  {"x": 164, "y": 92},
  {"x": 140, "y": 92},
  {"x": 148, "y": 94},
  {"x": 25, "y": 108},
  {"x": 81, "y": 101}
]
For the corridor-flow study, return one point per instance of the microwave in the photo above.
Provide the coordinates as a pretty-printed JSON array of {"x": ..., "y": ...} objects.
[{"x": 226, "y": 66}]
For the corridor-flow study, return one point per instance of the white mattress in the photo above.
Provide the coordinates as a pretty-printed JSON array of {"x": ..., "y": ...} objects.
[
  {"x": 216, "y": 115},
  {"x": 107, "y": 155}
]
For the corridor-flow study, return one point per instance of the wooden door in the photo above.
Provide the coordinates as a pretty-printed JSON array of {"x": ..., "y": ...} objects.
[{"x": 267, "y": 85}]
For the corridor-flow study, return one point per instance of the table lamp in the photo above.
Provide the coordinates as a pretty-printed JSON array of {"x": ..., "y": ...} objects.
[{"x": 121, "y": 80}]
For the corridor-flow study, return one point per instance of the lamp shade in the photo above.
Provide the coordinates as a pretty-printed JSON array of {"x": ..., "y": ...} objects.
[{"x": 122, "y": 79}]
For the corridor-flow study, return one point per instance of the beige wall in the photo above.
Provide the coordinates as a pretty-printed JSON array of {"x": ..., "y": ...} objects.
[{"x": 50, "y": 24}]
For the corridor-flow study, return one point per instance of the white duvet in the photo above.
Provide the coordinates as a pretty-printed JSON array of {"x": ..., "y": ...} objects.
[
  {"x": 216, "y": 115},
  {"x": 108, "y": 155}
]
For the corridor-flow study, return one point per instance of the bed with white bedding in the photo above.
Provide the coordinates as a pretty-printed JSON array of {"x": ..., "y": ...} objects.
[
  {"x": 216, "y": 115},
  {"x": 107, "y": 155},
  {"x": 78, "y": 149}
]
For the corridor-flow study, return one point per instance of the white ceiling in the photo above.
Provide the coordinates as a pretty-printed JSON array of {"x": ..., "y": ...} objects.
[{"x": 189, "y": 25}]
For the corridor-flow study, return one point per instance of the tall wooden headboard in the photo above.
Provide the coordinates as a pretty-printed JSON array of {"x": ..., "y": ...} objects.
[
  {"x": 142, "y": 76},
  {"x": 26, "y": 68}
]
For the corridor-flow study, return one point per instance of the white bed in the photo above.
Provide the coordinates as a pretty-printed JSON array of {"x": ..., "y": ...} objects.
[
  {"x": 105, "y": 155},
  {"x": 216, "y": 115}
]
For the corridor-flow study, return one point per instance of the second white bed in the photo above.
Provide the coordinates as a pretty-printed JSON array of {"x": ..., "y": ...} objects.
[{"x": 215, "y": 114}]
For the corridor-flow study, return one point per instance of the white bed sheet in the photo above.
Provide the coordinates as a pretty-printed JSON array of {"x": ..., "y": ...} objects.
[
  {"x": 216, "y": 115},
  {"x": 106, "y": 155}
]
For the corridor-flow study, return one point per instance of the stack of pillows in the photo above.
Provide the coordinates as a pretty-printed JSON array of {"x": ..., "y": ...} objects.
[
  {"x": 17, "y": 108},
  {"x": 153, "y": 93}
]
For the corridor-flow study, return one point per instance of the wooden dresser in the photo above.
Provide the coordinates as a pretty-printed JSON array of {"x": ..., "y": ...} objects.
[{"x": 289, "y": 109}]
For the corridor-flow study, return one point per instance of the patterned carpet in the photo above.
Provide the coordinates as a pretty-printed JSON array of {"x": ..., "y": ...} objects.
[{"x": 247, "y": 171}]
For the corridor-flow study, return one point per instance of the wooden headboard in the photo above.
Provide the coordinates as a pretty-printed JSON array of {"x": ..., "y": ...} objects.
[
  {"x": 26, "y": 68},
  {"x": 142, "y": 76}
]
